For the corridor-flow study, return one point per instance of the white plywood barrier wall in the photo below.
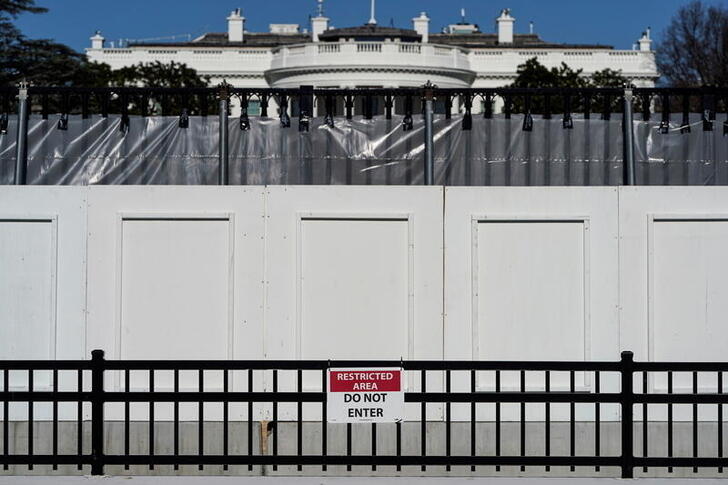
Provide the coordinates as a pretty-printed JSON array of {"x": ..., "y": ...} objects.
[{"x": 364, "y": 273}]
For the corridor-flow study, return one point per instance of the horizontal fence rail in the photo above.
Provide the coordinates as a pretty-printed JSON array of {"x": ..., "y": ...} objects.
[{"x": 560, "y": 392}]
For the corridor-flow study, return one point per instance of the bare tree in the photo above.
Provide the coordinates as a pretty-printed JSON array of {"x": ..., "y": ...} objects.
[{"x": 694, "y": 49}]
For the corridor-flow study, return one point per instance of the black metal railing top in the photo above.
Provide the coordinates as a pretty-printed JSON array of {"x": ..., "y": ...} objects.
[
  {"x": 477, "y": 395},
  {"x": 341, "y": 102}
]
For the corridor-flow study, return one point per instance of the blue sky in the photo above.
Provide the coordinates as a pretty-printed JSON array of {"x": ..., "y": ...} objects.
[{"x": 613, "y": 22}]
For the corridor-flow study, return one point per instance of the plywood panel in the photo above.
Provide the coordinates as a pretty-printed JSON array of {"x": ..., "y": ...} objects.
[
  {"x": 531, "y": 289},
  {"x": 175, "y": 282},
  {"x": 531, "y": 273},
  {"x": 27, "y": 289},
  {"x": 690, "y": 288},
  {"x": 42, "y": 283},
  {"x": 672, "y": 283},
  {"x": 176, "y": 273},
  {"x": 354, "y": 285},
  {"x": 354, "y": 272},
  {"x": 672, "y": 272}
]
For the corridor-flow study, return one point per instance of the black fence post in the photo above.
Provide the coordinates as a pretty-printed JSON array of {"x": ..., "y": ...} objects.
[
  {"x": 21, "y": 151},
  {"x": 223, "y": 97},
  {"x": 627, "y": 374},
  {"x": 97, "y": 412}
]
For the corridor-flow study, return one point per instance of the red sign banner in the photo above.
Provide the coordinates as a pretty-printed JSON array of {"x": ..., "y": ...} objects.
[{"x": 365, "y": 381}]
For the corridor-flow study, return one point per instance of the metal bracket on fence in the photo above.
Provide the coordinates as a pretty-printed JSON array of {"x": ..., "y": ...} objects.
[
  {"x": 407, "y": 121},
  {"x": 223, "y": 96},
  {"x": 305, "y": 107},
  {"x": 628, "y": 137},
  {"x": 21, "y": 147},
  {"x": 244, "y": 119}
]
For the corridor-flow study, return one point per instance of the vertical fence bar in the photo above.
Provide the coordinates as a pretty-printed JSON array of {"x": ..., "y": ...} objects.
[
  {"x": 423, "y": 419},
  {"x": 597, "y": 420},
  {"x": 299, "y": 414},
  {"x": 497, "y": 419},
  {"x": 275, "y": 417},
  {"x": 695, "y": 420},
  {"x": 547, "y": 431},
  {"x": 398, "y": 443},
  {"x": 224, "y": 159},
  {"x": 250, "y": 420},
  {"x": 201, "y": 418},
  {"x": 473, "y": 420},
  {"x": 21, "y": 147},
  {"x": 97, "y": 412},
  {"x": 720, "y": 421},
  {"x": 523, "y": 419},
  {"x": 176, "y": 419},
  {"x": 6, "y": 419},
  {"x": 645, "y": 422},
  {"x": 324, "y": 419},
  {"x": 374, "y": 444},
  {"x": 79, "y": 420},
  {"x": 398, "y": 437},
  {"x": 572, "y": 419},
  {"x": 348, "y": 444},
  {"x": 627, "y": 398},
  {"x": 669, "y": 421},
  {"x": 447, "y": 419},
  {"x": 225, "y": 417},
  {"x": 31, "y": 405},
  {"x": 55, "y": 418},
  {"x": 151, "y": 418},
  {"x": 628, "y": 138},
  {"x": 126, "y": 418}
]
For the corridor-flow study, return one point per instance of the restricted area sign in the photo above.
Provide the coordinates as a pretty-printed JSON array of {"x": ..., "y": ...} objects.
[{"x": 365, "y": 395}]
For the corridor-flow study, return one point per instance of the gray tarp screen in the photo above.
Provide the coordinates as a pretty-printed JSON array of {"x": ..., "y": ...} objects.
[{"x": 496, "y": 151}]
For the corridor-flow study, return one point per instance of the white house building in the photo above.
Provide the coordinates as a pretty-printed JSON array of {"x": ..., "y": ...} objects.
[{"x": 371, "y": 55}]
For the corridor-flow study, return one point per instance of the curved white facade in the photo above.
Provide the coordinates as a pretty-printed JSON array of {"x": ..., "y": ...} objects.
[{"x": 380, "y": 64}]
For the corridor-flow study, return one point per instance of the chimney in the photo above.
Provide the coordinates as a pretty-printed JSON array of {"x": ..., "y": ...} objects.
[
  {"x": 645, "y": 41},
  {"x": 236, "y": 26},
  {"x": 319, "y": 23},
  {"x": 97, "y": 41},
  {"x": 421, "y": 25},
  {"x": 505, "y": 27}
]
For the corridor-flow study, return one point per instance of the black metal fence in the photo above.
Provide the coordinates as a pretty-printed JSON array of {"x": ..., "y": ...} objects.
[
  {"x": 570, "y": 108},
  {"x": 457, "y": 383},
  {"x": 367, "y": 102}
]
